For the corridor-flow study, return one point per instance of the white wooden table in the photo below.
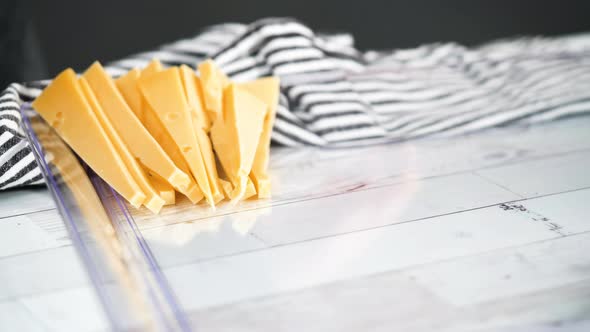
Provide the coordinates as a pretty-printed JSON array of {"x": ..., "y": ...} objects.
[{"x": 488, "y": 232}]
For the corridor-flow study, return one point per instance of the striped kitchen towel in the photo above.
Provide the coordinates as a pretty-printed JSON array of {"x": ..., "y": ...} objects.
[{"x": 334, "y": 95}]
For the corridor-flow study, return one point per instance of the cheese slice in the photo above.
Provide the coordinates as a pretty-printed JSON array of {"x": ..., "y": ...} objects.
[
  {"x": 153, "y": 201},
  {"x": 164, "y": 92},
  {"x": 127, "y": 85},
  {"x": 141, "y": 144},
  {"x": 129, "y": 88},
  {"x": 203, "y": 121},
  {"x": 227, "y": 189},
  {"x": 63, "y": 105},
  {"x": 153, "y": 67},
  {"x": 250, "y": 190},
  {"x": 163, "y": 188},
  {"x": 214, "y": 82},
  {"x": 155, "y": 127},
  {"x": 201, "y": 115},
  {"x": 222, "y": 181},
  {"x": 196, "y": 111},
  {"x": 235, "y": 136},
  {"x": 267, "y": 90}
]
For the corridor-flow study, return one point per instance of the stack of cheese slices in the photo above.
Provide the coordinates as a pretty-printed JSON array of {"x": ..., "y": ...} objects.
[{"x": 154, "y": 132}]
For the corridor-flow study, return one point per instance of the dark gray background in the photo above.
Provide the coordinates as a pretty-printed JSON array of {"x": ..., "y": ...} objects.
[{"x": 74, "y": 32}]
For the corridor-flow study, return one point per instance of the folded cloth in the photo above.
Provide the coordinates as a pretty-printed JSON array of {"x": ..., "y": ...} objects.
[{"x": 334, "y": 95}]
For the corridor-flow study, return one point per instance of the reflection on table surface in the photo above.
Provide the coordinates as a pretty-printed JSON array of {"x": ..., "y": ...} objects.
[{"x": 482, "y": 232}]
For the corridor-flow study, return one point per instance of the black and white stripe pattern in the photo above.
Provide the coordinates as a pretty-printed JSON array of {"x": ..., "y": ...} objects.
[
  {"x": 17, "y": 163},
  {"x": 334, "y": 95}
]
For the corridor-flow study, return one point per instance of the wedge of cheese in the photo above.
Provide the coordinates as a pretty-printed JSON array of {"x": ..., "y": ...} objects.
[
  {"x": 127, "y": 85},
  {"x": 165, "y": 94},
  {"x": 141, "y": 144},
  {"x": 164, "y": 189},
  {"x": 201, "y": 114},
  {"x": 267, "y": 90},
  {"x": 129, "y": 88},
  {"x": 153, "y": 201},
  {"x": 228, "y": 190},
  {"x": 235, "y": 136},
  {"x": 204, "y": 122},
  {"x": 250, "y": 190},
  {"x": 155, "y": 127},
  {"x": 152, "y": 124},
  {"x": 153, "y": 67},
  {"x": 196, "y": 111},
  {"x": 63, "y": 105},
  {"x": 214, "y": 82},
  {"x": 226, "y": 187}
]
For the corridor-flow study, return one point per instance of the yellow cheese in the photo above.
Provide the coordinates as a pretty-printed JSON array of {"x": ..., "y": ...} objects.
[
  {"x": 156, "y": 129},
  {"x": 192, "y": 191},
  {"x": 127, "y": 85},
  {"x": 228, "y": 189},
  {"x": 267, "y": 90},
  {"x": 222, "y": 181},
  {"x": 141, "y": 144},
  {"x": 153, "y": 201},
  {"x": 203, "y": 142},
  {"x": 201, "y": 115},
  {"x": 235, "y": 136},
  {"x": 129, "y": 88},
  {"x": 164, "y": 189},
  {"x": 250, "y": 190},
  {"x": 153, "y": 67},
  {"x": 63, "y": 105},
  {"x": 202, "y": 129},
  {"x": 214, "y": 82},
  {"x": 164, "y": 92}
]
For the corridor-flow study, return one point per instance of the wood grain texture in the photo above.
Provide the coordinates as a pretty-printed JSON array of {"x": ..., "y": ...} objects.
[
  {"x": 487, "y": 232},
  {"x": 23, "y": 201},
  {"x": 542, "y": 283}
]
